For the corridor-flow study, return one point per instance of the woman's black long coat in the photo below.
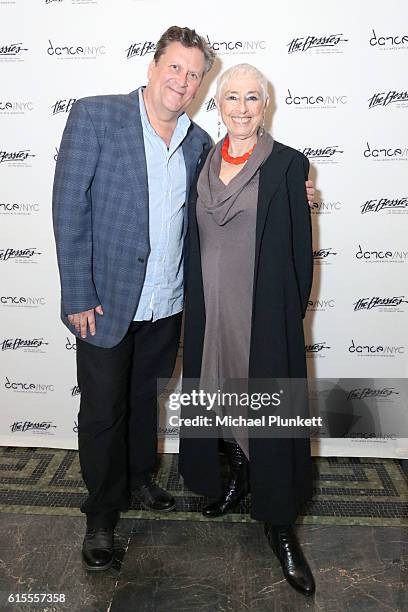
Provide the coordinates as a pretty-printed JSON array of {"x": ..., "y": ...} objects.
[{"x": 280, "y": 469}]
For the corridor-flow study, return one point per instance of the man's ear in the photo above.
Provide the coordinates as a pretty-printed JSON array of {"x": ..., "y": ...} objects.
[{"x": 150, "y": 69}]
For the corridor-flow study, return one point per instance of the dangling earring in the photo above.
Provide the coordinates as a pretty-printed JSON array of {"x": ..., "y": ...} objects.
[
  {"x": 261, "y": 130},
  {"x": 218, "y": 126}
]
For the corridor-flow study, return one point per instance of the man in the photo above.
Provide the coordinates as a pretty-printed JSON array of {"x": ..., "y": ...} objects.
[{"x": 124, "y": 169}]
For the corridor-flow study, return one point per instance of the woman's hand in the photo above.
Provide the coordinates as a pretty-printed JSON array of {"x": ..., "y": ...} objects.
[{"x": 310, "y": 190}]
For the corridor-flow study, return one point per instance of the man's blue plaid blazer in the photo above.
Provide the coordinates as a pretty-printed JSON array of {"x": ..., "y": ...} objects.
[{"x": 101, "y": 210}]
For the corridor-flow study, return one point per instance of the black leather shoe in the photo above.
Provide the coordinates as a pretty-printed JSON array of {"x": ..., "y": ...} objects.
[
  {"x": 238, "y": 485},
  {"x": 285, "y": 545},
  {"x": 152, "y": 497},
  {"x": 97, "y": 549}
]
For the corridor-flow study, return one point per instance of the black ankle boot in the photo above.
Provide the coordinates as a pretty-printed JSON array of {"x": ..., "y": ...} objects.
[
  {"x": 285, "y": 545},
  {"x": 238, "y": 485}
]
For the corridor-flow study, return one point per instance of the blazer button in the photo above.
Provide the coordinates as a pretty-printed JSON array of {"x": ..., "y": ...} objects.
[{"x": 141, "y": 259}]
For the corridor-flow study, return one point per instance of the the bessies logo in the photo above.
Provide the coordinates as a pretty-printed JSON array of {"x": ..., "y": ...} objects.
[
  {"x": 375, "y": 350},
  {"x": 390, "y": 205},
  {"x": 325, "y": 208},
  {"x": 237, "y": 46},
  {"x": 37, "y": 427},
  {"x": 140, "y": 49},
  {"x": 381, "y": 256},
  {"x": 367, "y": 393},
  {"x": 320, "y": 305},
  {"x": 386, "y": 153},
  {"x": 328, "y": 43},
  {"x": 18, "y": 158},
  {"x": 209, "y": 105},
  {"x": 75, "y": 51},
  {"x": 381, "y": 304},
  {"x": 14, "y": 107},
  {"x": 389, "y": 42},
  {"x": 324, "y": 256},
  {"x": 22, "y": 301},
  {"x": 302, "y": 101},
  {"x": 62, "y": 106},
  {"x": 13, "y": 52},
  {"x": 75, "y": 390},
  {"x": 317, "y": 350},
  {"x": 26, "y": 345},
  {"x": 397, "y": 99},
  {"x": 27, "y": 387},
  {"x": 28, "y": 255},
  {"x": 323, "y": 155}
]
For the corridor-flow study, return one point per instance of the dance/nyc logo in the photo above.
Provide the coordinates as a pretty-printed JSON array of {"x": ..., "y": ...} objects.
[
  {"x": 391, "y": 205},
  {"x": 383, "y": 304},
  {"x": 236, "y": 47},
  {"x": 389, "y": 41},
  {"x": 325, "y": 208},
  {"x": 375, "y": 350},
  {"x": 12, "y": 107},
  {"x": 19, "y": 208},
  {"x": 22, "y": 301},
  {"x": 76, "y": 51},
  {"x": 381, "y": 256},
  {"x": 330, "y": 43},
  {"x": 386, "y": 153},
  {"x": 383, "y": 98},
  {"x": 304, "y": 101},
  {"x": 320, "y": 305},
  {"x": 26, "y": 387}
]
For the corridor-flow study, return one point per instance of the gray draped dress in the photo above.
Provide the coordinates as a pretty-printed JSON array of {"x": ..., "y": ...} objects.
[{"x": 226, "y": 217}]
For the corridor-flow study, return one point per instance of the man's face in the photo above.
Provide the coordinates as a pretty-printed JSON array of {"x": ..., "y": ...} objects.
[{"x": 175, "y": 79}]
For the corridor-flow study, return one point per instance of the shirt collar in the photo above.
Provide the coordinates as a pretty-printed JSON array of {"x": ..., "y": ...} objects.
[{"x": 183, "y": 123}]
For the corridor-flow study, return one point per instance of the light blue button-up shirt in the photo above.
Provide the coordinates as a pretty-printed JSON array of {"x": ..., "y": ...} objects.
[{"x": 162, "y": 293}]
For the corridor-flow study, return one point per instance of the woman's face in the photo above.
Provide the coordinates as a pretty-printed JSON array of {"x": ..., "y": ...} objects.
[{"x": 242, "y": 105}]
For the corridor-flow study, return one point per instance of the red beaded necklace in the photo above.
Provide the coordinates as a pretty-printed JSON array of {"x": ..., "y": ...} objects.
[{"x": 234, "y": 160}]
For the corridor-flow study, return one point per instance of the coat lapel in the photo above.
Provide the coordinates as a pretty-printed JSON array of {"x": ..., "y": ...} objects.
[
  {"x": 270, "y": 177},
  {"x": 192, "y": 150},
  {"x": 131, "y": 146}
]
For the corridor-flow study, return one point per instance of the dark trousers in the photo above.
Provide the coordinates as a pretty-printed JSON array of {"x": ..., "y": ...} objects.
[{"x": 117, "y": 421}]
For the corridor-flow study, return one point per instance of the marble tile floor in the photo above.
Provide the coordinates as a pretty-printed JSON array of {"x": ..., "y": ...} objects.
[{"x": 185, "y": 566}]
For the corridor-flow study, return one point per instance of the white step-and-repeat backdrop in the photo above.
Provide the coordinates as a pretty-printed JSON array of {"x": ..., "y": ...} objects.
[{"x": 338, "y": 75}]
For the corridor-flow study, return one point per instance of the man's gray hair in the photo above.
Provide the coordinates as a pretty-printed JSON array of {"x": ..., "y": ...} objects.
[
  {"x": 238, "y": 70},
  {"x": 188, "y": 38}
]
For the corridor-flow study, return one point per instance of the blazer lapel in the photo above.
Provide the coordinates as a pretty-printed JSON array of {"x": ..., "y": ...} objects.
[
  {"x": 270, "y": 177},
  {"x": 131, "y": 146},
  {"x": 192, "y": 150}
]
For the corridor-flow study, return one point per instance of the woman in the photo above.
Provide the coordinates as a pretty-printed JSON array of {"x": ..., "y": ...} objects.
[{"x": 248, "y": 282}]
